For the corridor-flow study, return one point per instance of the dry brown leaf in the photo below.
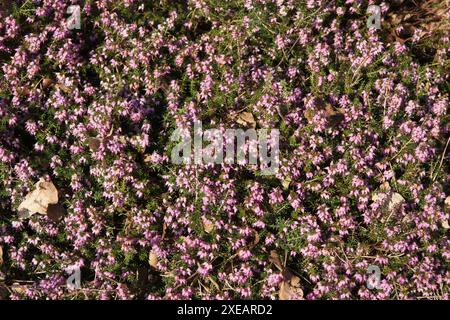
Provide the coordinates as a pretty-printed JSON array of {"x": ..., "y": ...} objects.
[
  {"x": 429, "y": 16},
  {"x": 1, "y": 255},
  {"x": 23, "y": 91},
  {"x": 47, "y": 82},
  {"x": 256, "y": 240},
  {"x": 208, "y": 226},
  {"x": 295, "y": 281},
  {"x": 385, "y": 187},
  {"x": 148, "y": 158},
  {"x": 447, "y": 203},
  {"x": 289, "y": 292},
  {"x": 275, "y": 259},
  {"x": 64, "y": 88},
  {"x": 246, "y": 119},
  {"x": 285, "y": 291},
  {"x": 395, "y": 201},
  {"x": 290, "y": 287},
  {"x": 309, "y": 114},
  {"x": 334, "y": 116},
  {"x": 164, "y": 230},
  {"x": 37, "y": 201},
  {"x": 391, "y": 201},
  {"x": 93, "y": 143},
  {"x": 17, "y": 288},
  {"x": 153, "y": 259},
  {"x": 123, "y": 139}
]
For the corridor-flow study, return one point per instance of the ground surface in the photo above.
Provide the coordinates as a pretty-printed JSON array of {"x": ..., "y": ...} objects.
[{"x": 363, "y": 176}]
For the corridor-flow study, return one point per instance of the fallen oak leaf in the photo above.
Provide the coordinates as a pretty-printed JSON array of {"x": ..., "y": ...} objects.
[
  {"x": 246, "y": 119},
  {"x": 153, "y": 259},
  {"x": 385, "y": 188},
  {"x": 208, "y": 226},
  {"x": 64, "y": 88},
  {"x": 285, "y": 291},
  {"x": 37, "y": 201},
  {"x": 395, "y": 201},
  {"x": 148, "y": 158},
  {"x": 17, "y": 288},
  {"x": 390, "y": 202},
  {"x": 290, "y": 287}
]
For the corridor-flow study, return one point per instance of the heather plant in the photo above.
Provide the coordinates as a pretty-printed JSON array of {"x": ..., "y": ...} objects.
[{"x": 363, "y": 177}]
